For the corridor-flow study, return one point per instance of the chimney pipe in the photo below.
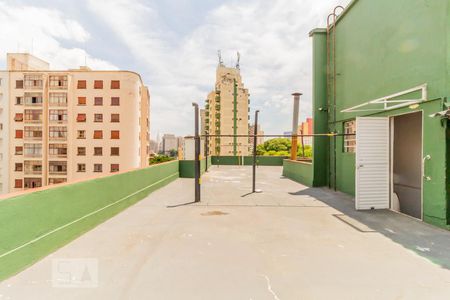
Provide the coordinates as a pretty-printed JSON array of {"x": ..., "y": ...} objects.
[{"x": 294, "y": 145}]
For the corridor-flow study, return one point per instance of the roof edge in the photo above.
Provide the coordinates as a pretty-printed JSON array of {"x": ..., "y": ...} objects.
[{"x": 317, "y": 30}]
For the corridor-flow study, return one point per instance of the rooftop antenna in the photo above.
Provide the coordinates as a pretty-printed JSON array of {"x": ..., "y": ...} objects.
[
  {"x": 32, "y": 45},
  {"x": 238, "y": 60},
  {"x": 219, "y": 53}
]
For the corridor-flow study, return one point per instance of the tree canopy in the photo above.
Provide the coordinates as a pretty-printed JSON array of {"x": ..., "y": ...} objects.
[{"x": 281, "y": 147}]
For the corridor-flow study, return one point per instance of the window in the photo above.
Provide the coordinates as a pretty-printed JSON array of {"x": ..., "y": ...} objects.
[
  {"x": 33, "y": 115},
  {"x": 19, "y": 134},
  {"x": 32, "y": 150},
  {"x": 81, "y": 167},
  {"x": 115, "y": 151},
  {"x": 114, "y": 168},
  {"x": 19, "y": 100},
  {"x": 58, "y": 115},
  {"x": 57, "y": 167},
  {"x": 19, "y": 84},
  {"x": 98, "y": 84},
  {"x": 33, "y": 132},
  {"x": 31, "y": 183},
  {"x": 98, "y": 134},
  {"x": 19, "y": 150},
  {"x": 115, "y": 134},
  {"x": 58, "y": 99},
  {"x": 18, "y": 183},
  {"x": 18, "y": 117},
  {"x": 81, "y": 100},
  {"x": 56, "y": 180},
  {"x": 33, "y": 81},
  {"x": 81, "y": 134},
  {"x": 115, "y": 101},
  {"x": 98, "y": 168},
  {"x": 81, "y": 85},
  {"x": 57, "y": 133},
  {"x": 33, "y": 99},
  {"x": 81, "y": 151},
  {"x": 18, "y": 167},
  {"x": 57, "y": 150},
  {"x": 98, "y": 101},
  {"x": 98, "y": 151},
  {"x": 115, "y": 118},
  {"x": 81, "y": 118},
  {"x": 350, "y": 140},
  {"x": 115, "y": 84},
  {"x": 98, "y": 117},
  {"x": 58, "y": 81}
]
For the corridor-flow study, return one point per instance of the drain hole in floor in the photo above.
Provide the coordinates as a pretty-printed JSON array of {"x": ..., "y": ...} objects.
[{"x": 214, "y": 213}]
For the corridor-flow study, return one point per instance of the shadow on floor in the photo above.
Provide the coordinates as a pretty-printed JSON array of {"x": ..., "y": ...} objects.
[{"x": 426, "y": 240}]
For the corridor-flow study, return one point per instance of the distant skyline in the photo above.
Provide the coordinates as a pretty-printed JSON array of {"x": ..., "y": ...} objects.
[{"x": 173, "y": 45}]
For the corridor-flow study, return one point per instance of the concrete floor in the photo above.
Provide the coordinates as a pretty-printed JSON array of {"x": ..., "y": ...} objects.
[{"x": 289, "y": 242}]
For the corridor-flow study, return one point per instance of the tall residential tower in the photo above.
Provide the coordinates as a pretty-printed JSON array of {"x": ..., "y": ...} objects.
[{"x": 227, "y": 109}]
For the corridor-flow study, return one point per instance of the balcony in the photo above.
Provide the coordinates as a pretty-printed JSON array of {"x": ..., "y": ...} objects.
[
  {"x": 57, "y": 151},
  {"x": 33, "y": 116},
  {"x": 33, "y": 99},
  {"x": 57, "y": 168},
  {"x": 33, "y": 133},
  {"x": 32, "y": 167},
  {"x": 58, "y": 133},
  {"x": 58, "y": 82},
  {"x": 33, "y": 82}
]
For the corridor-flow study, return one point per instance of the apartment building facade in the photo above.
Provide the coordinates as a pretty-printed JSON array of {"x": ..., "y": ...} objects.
[
  {"x": 227, "y": 113},
  {"x": 74, "y": 124},
  {"x": 4, "y": 132}
]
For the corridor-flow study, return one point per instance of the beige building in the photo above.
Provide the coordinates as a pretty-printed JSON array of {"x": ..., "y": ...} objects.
[
  {"x": 4, "y": 132},
  {"x": 259, "y": 139},
  {"x": 227, "y": 109},
  {"x": 169, "y": 143},
  {"x": 73, "y": 124}
]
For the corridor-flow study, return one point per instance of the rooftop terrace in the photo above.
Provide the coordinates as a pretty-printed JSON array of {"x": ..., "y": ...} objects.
[{"x": 288, "y": 242}]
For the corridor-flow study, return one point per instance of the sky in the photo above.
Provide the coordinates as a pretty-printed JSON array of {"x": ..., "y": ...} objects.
[{"x": 173, "y": 44}]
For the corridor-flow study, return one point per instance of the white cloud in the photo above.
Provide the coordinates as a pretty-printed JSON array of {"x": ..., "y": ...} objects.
[
  {"x": 26, "y": 28},
  {"x": 272, "y": 37}
]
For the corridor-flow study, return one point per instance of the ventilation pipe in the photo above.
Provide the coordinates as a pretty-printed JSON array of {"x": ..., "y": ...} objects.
[{"x": 295, "y": 126}]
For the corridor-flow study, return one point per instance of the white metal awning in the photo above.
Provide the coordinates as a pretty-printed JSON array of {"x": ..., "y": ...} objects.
[{"x": 392, "y": 101}]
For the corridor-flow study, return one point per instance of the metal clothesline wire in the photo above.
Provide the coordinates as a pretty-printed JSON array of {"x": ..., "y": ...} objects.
[{"x": 273, "y": 135}]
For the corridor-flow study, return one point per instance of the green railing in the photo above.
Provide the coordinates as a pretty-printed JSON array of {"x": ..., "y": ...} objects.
[
  {"x": 35, "y": 224},
  {"x": 248, "y": 160}
]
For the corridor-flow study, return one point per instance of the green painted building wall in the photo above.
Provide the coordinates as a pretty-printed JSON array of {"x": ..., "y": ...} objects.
[
  {"x": 384, "y": 47},
  {"x": 298, "y": 171},
  {"x": 35, "y": 224},
  {"x": 320, "y": 115}
]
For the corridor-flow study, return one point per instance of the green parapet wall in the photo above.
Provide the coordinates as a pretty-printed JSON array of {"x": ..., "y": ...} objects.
[
  {"x": 35, "y": 224},
  {"x": 248, "y": 160},
  {"x": 298, "y": 171},
  {"x": 187, "y": 167},
  {"x": 227, "y": 160}
]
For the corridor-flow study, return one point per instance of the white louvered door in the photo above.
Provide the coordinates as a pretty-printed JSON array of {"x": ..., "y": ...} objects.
[{"x": 372, "y": 163}]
